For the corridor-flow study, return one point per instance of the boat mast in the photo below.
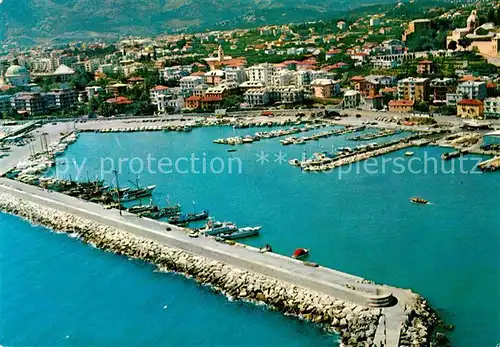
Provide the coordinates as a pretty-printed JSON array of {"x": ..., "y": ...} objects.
[{"x": 118, "y": 192}]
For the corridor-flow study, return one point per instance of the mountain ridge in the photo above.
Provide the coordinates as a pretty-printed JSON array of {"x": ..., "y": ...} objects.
[{"x": 38, "y": 20}]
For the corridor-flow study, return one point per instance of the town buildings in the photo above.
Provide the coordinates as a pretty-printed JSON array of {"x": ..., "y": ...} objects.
[
  {"x": 417, "y": 27},
  {"x": 492, "y": 107},
  {"x": 17, "y": 76},
  {"x": 412, "y": 88},
  {"x": 470, "y": 108},
  {"x": 440, "y": 87},
  {"x": 401, "y": 106},
  {"x": 325, "y": 88},
  {"x": 352, "y": 99},
  {"x": 191, "y": 82},
  {"x": 473, "y": 90}
]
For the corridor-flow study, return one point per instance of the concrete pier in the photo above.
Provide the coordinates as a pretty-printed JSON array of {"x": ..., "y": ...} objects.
[{"x": 350, "y": 288}]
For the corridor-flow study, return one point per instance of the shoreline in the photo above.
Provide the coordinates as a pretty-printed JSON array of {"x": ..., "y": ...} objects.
[{"x": 355, "y": 324}]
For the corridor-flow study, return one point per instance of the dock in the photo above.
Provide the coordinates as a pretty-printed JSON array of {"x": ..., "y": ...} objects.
[{"x": 492, "y": 164}]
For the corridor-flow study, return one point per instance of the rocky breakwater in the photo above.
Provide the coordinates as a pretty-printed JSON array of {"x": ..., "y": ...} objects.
[
  {"x": 355, "y": 324},
  {"x": 420, "y": 325}
]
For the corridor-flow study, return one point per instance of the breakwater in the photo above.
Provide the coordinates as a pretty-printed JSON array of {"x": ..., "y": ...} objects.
[
  {"x": 187, "y": 125},
  {"x": 356, "y": 324},
  {"x": 325, "y": 163}
]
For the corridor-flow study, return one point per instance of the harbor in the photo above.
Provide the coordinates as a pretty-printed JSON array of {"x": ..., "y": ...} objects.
[{"x": 225, "y": 209}]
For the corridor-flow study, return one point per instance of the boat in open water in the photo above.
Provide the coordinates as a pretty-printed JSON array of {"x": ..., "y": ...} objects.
[{"x": 418, "y": 200}]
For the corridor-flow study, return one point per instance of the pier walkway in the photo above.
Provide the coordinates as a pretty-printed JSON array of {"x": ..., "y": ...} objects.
[{"x": 320, "y": 279}]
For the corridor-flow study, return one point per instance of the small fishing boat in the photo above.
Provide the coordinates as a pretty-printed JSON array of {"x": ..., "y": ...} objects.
[
  {"x": 300, "y": 253},
  {"x": 241, "y": 232},
  {"x": 135, "y": 194},
  {"x": 409, "y": 154},
  {"x": 231, "y": 150},
  {"x": 190, "y": 217},
  {"x": 162, "y": 212},
  {"x": 142, "y": 208},
  {"x": 450, "y": 155},
  {"x": 417, "y": 200}
]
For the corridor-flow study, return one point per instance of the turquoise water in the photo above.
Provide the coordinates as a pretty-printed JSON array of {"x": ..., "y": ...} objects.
[
  {"x": 56, "y": 291},
  {"x": 356, "y": 219}
]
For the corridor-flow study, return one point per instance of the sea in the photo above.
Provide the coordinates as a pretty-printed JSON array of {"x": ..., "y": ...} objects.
[{"x": 55, "y": 291}]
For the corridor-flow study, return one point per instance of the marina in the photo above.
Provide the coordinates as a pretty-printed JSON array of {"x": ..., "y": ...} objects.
[{"x": 225, "y": 207}]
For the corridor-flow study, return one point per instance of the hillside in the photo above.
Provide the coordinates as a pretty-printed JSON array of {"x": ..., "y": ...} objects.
[{"x": 28, "y": 21}]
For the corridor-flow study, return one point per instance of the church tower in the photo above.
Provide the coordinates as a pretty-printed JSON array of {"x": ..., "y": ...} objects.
[{"x": 220, "y": 53}]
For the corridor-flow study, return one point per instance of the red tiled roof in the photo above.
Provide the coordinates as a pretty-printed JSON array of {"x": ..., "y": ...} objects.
[
  {"x": 357, "y": 78},
  {"x": 160, "y": 88},
  {"x": 470, "y": 102},
  {"x": 425, "y": 62},
  {"x": 334, "y": 51},
  {"x": 468, "y": 78},
  {"x": 209, "y": 98},
  {"x": 135, "y": 79},
  {"x": 401, "y": 103},
  {"x": 198, "y": 73},
  {"x": 491, "y": 85},
  {"x": 119, "y": 100},
  {"x": 194, "y": 98},
  {"x": 378, "y": 96}
]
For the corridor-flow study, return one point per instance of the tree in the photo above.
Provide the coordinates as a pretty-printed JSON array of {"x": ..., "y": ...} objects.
[
  {"x": 105, "y": 110},
  {"x": 452, "y": 45},
  {"x": 422, "y": 107},
  {"x": 464, "y": 43}
]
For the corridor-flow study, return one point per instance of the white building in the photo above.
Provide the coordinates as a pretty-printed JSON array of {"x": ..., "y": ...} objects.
[
  {"x": 166, "y": 103},
  {"x": 17, "y": 76},
  {"x": 235, "y": 74},
  {"x": 303, "y": 78},
  {"x": 261, "y": 73},
  {"x": 472, "y": 90},
  {"x": 492, "y": 107},
  {"x": 283, "y": 78},
  {"x": 191, "y": 82},
  {"x": 352, "y": 99},
  {"x": 375, "y": 21},
  {"x": 286, "y": 94},
  {"x": 63, "y": 72},
  {"x": 453, "y": 98},
  {"x": 157, "y": 92},
  {"x": 92, "y": 91},
  {"x": 257, "y": 97}
]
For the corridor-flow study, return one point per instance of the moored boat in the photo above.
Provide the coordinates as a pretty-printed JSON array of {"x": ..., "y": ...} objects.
[
  {"x": 450, "y": 155},
  {"x": 241, "y": 233},
  {"x": 409, "y": 154},
  {"x": 190, "y": 217},
  {"x": 300, "y": 253},
  {"x": 216, "y": 228},
  {"x": 135, "y": 194}
]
